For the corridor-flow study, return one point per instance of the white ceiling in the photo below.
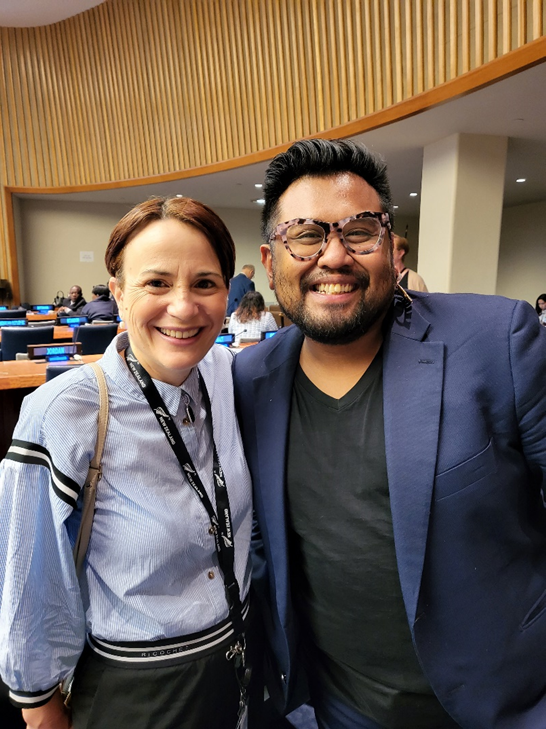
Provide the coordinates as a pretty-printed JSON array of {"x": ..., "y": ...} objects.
[
  {"x": 33, "y": 13},
  {"x": 515, "y": 107}
]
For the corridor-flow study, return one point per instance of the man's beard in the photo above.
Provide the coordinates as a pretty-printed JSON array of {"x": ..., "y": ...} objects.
[{"x": 337, "y": 327}]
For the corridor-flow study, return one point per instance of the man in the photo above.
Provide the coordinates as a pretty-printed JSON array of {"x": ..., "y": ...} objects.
[
  {"x": 397, "y": 449},
  {"x": 74, "y": 303},
  {"x": 102, "y": 307},
  {"x": 238, "y": 287},
  {"x": 407, "y": 278}
]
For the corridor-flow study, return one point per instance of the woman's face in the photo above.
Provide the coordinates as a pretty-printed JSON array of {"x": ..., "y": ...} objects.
[
  {"x": 541, "y": 304},
  {"x": 172, "y": 298}
]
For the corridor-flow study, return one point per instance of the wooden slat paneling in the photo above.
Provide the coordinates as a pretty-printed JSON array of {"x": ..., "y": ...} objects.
[{"x": 133, "y": 88}]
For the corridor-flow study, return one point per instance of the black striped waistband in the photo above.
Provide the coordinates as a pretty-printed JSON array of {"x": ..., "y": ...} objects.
[{"x": 153, "y": 654}]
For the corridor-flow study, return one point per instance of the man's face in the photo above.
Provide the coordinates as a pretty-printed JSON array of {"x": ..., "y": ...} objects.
[
  {"x": 338, "y": 296},
  {"x": 74, "y": 293}
]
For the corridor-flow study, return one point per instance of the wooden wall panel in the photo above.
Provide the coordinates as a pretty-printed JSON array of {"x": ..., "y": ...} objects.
[{"x": 134, "y": 88}]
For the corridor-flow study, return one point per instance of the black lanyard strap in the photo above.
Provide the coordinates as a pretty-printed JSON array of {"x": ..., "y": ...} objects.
[{"x": 221, "y": 524}]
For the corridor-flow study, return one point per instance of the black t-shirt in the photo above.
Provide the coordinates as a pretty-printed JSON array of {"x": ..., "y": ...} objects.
[{"x": 346, "y": 582}]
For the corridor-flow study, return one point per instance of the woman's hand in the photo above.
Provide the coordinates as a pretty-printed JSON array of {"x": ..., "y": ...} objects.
[{"x": 53, "y": 715}]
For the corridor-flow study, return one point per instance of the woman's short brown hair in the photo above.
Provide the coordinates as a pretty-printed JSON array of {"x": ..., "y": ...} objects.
[{"x": 184, "y": 209}]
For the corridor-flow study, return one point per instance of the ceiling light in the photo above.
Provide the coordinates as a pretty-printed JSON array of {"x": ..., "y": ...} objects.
[
  {"x": 258, "y": 184},
  {"x": 413, "y": 194},
  {"x": 395, "y": 207},
  {"x": 180, "y": 196},
  {"x": 259, "y": 201},
  {"x": 521, "y": 179}
]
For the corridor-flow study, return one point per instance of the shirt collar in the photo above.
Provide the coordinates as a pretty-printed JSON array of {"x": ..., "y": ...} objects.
[{"x": 170, "y": 394}]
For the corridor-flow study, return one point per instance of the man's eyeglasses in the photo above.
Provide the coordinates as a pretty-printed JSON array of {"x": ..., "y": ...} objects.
[{"x": 305, "y": 238}]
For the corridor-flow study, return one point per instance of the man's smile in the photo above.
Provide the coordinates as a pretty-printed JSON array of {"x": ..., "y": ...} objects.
[{"x": 330, "y": 288}]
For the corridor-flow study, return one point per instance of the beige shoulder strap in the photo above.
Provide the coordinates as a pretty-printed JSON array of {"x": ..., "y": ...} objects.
[{"x": 93, "y": 477}]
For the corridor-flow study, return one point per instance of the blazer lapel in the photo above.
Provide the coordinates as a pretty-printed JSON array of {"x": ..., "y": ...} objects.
[
  {"x": 412, "y": 397},
  {"x": 273, "y": 394}
]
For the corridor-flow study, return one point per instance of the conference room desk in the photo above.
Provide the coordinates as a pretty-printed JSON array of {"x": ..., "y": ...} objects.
[
  {"x": 60, "y": 334},
  {"x": 18, "y": 378},
  {"x": 33, "y": 316}
]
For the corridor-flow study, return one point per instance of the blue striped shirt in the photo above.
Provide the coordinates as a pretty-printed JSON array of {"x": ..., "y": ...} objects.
[{"x": 151, "y": 570}]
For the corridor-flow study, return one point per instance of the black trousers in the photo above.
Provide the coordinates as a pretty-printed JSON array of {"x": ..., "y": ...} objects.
[{"x": 201, "y": 694}]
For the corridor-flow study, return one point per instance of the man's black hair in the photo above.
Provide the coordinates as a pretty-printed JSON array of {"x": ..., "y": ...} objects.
[{"x": 322, "y": 158}]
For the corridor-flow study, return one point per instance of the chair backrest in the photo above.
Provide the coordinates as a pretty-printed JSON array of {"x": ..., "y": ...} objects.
[
  {"x": 279, "y": 318},
  {"x": 94, "y": 340},
  {"x": 52, "y": 370},
  {"x": 13, "y": 313},
  {"x": 15, "y": 339}
]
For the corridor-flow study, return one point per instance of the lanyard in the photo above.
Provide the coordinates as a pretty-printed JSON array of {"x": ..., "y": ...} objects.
[{"x": 221, "y": 525}]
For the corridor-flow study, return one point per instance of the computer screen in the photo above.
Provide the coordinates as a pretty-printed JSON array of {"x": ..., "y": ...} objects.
[
  {"x": 72, "y": 321},
  {"x": 225, "y": 339},
  {"x": 13, "y": 322},
  {"x": 268, "y": 335}
]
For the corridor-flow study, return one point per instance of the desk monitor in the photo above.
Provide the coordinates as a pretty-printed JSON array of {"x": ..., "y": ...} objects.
[
  {"x": 268, "y": 335},
  {"x": 72, "y": 321},
  {"x": 54, "y": 352},
  {"x": 225, "y": 339},
  {"x": 13, "y": 322},
  {"x": 42, "y": 308},
  {"x": 3, "y": 308}
]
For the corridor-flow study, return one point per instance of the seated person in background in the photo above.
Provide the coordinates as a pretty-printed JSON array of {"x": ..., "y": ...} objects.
[
  {"x": 407, "y": 278},
  {"x": 101, "y": 307},
  {"x": 251, "y": 319},
  {"x": 74, "y": 303},
  {"x": 540, "y": 307}
]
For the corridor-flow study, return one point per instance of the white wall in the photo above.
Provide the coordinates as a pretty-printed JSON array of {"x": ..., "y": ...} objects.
[
  {"x": 522, "y": 255},
  {"x": 52, "y": 235}
]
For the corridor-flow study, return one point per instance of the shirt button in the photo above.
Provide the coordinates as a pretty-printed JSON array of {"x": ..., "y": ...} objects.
[
  {"x": 211, "y": 530},
  {"x": 210, "y": 575}
]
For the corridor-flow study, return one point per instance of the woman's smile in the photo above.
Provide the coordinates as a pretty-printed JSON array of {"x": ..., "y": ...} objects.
[{"x": 179, "y": 334}]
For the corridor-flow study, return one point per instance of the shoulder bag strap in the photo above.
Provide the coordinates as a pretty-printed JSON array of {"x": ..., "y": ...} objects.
[{"x": 93, "y": 477}]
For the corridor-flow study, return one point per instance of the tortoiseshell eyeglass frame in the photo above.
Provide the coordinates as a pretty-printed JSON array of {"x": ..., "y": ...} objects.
[{"x": 282, "y": 228}]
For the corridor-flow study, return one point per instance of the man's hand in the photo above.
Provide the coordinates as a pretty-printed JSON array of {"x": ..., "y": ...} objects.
[{"x": 53, "y": 715}]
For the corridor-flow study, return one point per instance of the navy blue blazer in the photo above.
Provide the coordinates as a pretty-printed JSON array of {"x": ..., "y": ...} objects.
[
  {"x": 238, "y": 287},
  {"x": 464, "y": 393}
]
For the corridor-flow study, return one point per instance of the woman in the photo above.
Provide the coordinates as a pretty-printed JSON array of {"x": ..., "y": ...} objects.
[
  {"x": 250, "y": 319},
  {"x": 153, "y": 599},
  {"x": 540, "y": 307}
]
